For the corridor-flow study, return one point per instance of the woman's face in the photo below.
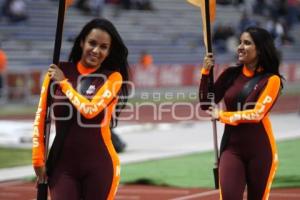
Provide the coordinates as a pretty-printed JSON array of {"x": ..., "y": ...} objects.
[
  {"x": 95, "y": 48},
  {"x": 247, "y": 53}
]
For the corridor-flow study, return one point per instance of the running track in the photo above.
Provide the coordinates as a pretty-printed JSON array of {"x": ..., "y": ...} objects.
[{"x": 19, "y": 190}]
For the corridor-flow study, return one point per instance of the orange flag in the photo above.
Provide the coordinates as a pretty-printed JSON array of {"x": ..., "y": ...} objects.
[{"x": 212, "y": 13}]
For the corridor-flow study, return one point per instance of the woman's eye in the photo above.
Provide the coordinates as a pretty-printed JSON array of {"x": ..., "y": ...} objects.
[
  {"x": 247, "y": 42},
  {"x": 92, "y": 43}
]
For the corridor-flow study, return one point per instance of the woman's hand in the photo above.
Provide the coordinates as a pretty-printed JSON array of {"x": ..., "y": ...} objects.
[
  {"x": 41, "y": 174},
  {"x": 208, "y": 62},
  {"x": 213, "y": 112},
  {"x": 55, "y": 73}
]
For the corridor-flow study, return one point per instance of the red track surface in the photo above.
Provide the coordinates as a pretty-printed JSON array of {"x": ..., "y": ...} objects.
[{"x": 26, "y": 191}]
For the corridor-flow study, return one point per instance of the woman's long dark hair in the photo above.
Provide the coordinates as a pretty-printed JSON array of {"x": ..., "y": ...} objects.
[
  {"x": 268, "y": 57},
  {"x": 116, "y": 60}
]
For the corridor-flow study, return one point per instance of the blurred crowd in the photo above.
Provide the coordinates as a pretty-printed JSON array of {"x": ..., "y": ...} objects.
[
  {"x": 16, "y": 10},
  {"x": 278, "y": 17},
  {"x": 95, "y": 6}
]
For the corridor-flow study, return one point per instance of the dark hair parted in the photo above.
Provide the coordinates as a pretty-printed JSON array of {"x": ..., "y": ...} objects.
[
  {"x": 268, "y": 57},
  {"x": 116, "y": 60}
]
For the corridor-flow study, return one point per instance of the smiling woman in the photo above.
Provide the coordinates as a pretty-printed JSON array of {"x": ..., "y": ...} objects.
[
  {"x": 247, "y": 53},
  {"x": 88, "y": 93},
  {"x": 248, "y": 150},
  {"x": 95, "y": 48}
]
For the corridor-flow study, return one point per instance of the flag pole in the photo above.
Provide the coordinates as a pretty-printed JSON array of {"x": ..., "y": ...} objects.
[
  {"x": 42, "y": 190},
  {"x": 59, "y": 31},
  {"x": 211, "y": 90}
]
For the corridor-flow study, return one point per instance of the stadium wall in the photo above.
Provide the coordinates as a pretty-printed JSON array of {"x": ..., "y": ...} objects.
[{"x": 25, "y": 85}]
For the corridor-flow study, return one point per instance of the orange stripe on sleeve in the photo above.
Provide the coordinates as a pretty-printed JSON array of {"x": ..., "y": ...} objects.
[
  {"x": 91, "y": 108},
  {"x": 261, "y": 108},
  {"x": 38, "y": 149}
]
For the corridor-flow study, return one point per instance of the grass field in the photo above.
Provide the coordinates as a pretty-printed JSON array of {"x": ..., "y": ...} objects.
[
  {"x": 196, "y": 170},
  {"x": 14, "y": 157},
  {"x": 193, "y": 170}
]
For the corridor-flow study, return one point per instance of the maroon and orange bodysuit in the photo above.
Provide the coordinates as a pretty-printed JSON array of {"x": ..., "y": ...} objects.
[
  {"x": 87, "y": 166},
  {"x": 248, "y": 150}
]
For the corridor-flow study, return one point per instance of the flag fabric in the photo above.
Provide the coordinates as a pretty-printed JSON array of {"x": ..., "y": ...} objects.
[{"x": 212, "y": 13}]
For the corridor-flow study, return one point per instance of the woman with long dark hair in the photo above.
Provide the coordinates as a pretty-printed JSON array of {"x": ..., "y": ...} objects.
[
  {"x": 248, "y": 154},
  {"x": 88, "y": 93}
]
